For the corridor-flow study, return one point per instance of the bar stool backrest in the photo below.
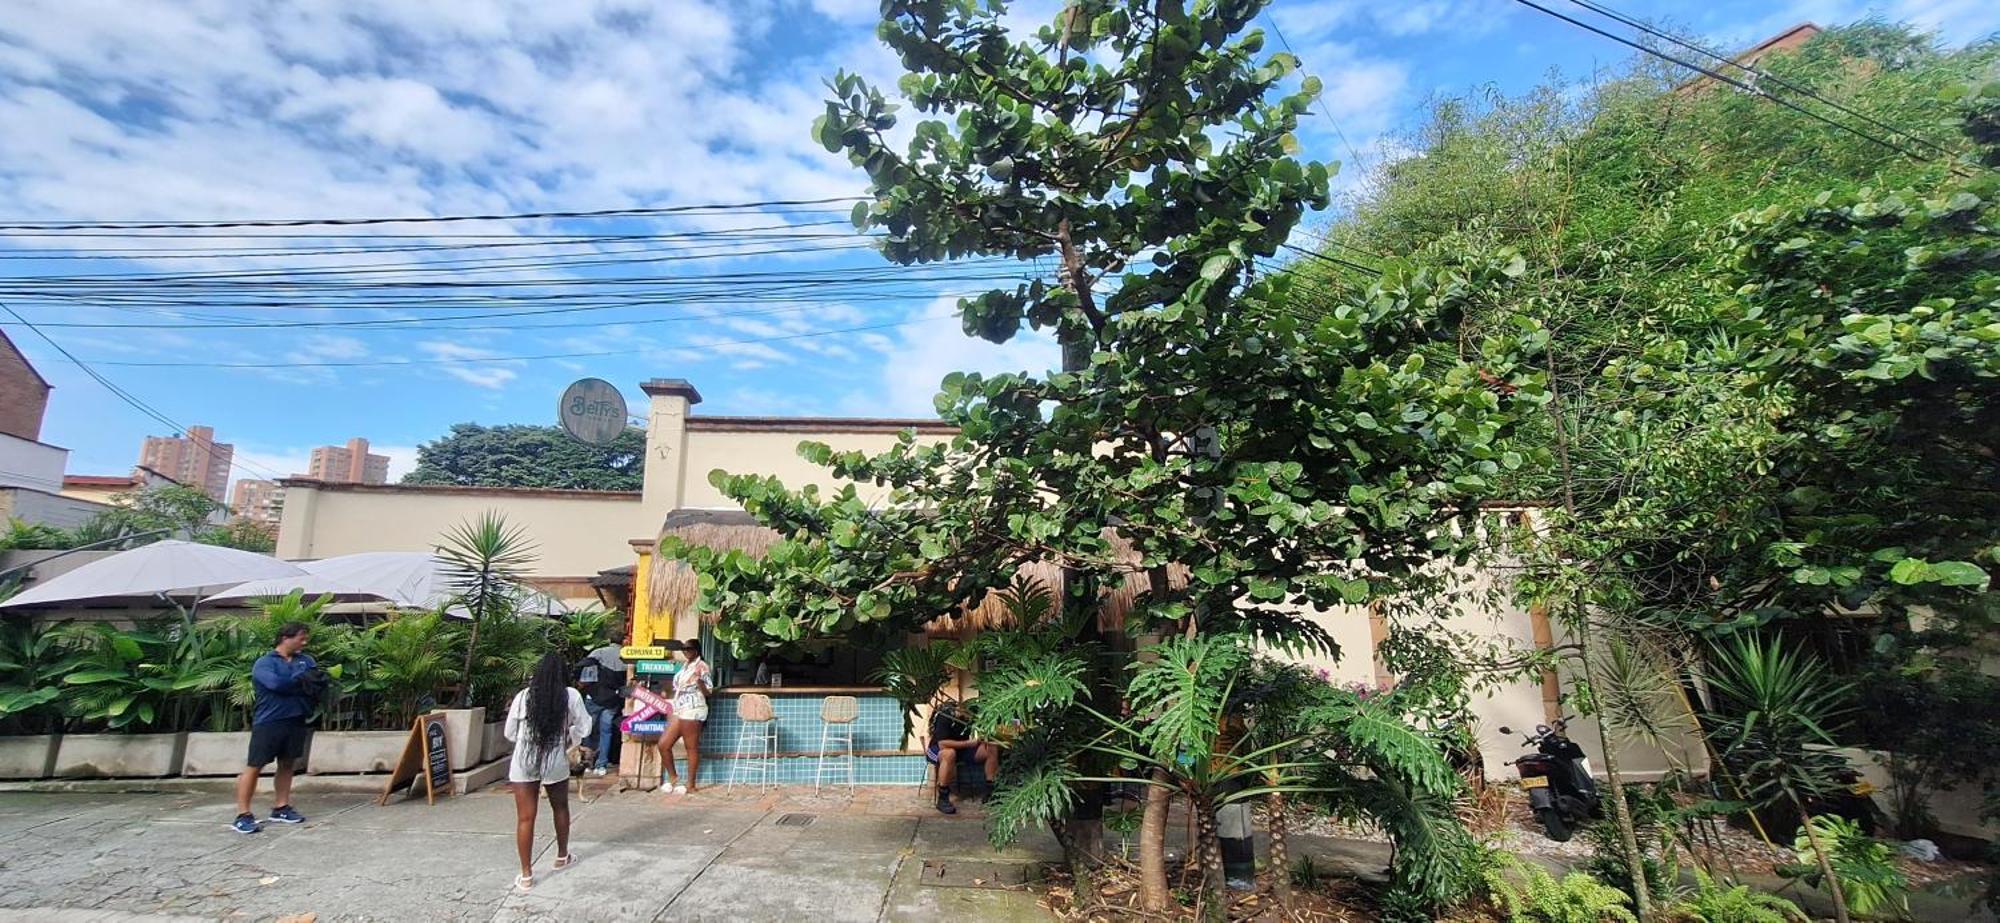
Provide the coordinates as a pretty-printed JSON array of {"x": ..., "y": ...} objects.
[
  {"x": 839, "y": 709},
  {"x": 752, "y": 706}
]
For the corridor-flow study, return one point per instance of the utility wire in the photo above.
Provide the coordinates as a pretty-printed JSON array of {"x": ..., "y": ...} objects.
[
  {"x": 134, "y": 401},
  {"x": 58, "y": 225},
  {"x": 1724, "y": 78},
  {"x": 1759, "y": 74},
  {"x": 456, "y": 360},
  {"x": 1323, "y": 110}
]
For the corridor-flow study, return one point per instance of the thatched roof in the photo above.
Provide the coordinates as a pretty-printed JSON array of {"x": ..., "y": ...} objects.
[{"x": 674, "y": 587}]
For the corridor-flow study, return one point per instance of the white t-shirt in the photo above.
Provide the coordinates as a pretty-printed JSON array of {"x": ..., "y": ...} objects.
[{"x": 555, "y": 763}]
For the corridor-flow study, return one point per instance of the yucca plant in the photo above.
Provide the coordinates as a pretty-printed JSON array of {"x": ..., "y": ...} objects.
[
  {"x": 33, "y": 658},
  {"x": 1778, "y": 712},
  {"x": 486, "y": 559}
]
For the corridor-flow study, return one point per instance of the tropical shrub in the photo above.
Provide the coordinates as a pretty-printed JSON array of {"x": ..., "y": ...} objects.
[
  {"x": 1868, "y": 876},
  {"x": 121, "y": 679},
  {"x": 1711, "y": 902},
  {"x": 1539, "y": 897},
  {"x": 33, "y": 658}
]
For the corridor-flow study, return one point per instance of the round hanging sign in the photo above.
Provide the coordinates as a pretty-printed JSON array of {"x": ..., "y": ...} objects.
[{"x": 592, "y": 411}]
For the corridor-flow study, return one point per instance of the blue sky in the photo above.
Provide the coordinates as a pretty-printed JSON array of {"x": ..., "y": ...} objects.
[{"x": 210, "y": 109}]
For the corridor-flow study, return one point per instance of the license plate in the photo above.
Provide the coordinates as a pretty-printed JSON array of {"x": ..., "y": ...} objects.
[{"x": 1535, "y": 782}]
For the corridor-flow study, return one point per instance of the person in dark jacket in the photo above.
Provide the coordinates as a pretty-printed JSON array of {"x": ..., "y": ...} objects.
[{"x": 287, "y": 684}]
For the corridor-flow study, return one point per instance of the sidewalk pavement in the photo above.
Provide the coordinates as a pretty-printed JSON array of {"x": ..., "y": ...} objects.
[{"x": 641, "y": 856}]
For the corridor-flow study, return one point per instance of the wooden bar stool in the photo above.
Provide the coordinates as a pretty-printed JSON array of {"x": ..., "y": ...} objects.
[
  {"x": 836, "y": 717},
  {"x": 756, "y": 743}
]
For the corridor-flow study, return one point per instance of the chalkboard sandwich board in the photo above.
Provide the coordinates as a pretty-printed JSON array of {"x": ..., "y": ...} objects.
[{"x": 426, "y": 758}]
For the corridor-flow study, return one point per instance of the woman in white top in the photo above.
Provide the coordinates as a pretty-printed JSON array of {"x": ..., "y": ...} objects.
[
  {"x": 690, "y": 714},
  {"x": 544, "y": 722}
]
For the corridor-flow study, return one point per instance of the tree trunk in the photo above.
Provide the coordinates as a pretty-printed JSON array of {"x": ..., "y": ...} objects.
[
  {"x": 1153, "y": 845},
  {"x": 1082, "y": 871},
  {"x": 1214, "y": 901},
  {"x": 465, "y": 676},
  {"x": 1281, "y": 860},
  {"x": 1825, "y": 865},
  {"x": 1635, "y": 863},
  {"x": 1628, "y": 836}
]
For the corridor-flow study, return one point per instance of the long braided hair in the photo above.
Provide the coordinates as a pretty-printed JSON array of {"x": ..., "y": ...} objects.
[{"x": 547, "y": 707}]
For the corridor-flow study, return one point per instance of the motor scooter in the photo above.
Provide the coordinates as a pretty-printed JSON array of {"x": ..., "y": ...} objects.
[{"x": 1557, "y": 779}]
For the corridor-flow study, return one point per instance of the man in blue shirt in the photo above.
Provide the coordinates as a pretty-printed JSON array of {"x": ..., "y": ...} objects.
[{"x": 287, "y": 684}]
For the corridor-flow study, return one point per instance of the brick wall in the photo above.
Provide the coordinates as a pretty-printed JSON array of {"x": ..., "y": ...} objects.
[{"x": 23, "y": 394}]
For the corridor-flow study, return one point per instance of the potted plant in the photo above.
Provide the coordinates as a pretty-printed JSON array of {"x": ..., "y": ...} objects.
[
  {"x": 389, "y": 673},
  {"x": 33, "y": 659},
  {"x": 122, "y": 682}
]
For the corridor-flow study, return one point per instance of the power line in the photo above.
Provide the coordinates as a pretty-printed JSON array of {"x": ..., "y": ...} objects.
[
  {"x": 129, "y": 398},
  {"x": 1724, "y": 78},
  {"x": 1757, "y": 73},
  {"x": 21, "y": 224},
  {"x": 1323, "y": 110},
  {"x": 456, "y": 360}
]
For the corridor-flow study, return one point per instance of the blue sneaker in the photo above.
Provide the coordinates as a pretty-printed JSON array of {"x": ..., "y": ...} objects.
[
  {"x": 246, "y": 823},
  {"x": 285, "y": 815}
]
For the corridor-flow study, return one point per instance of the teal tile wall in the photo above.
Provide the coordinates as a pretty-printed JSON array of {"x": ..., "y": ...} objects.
[{"x": 879, "y": 727}]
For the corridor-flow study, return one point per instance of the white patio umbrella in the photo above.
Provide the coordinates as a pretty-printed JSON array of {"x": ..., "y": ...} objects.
[
  {"x": 412, "y": 579},
  {"x": 161, "y": 568}
]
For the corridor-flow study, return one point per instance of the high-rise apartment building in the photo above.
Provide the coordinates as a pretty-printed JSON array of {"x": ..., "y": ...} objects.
[
  {"x": 349, "y": 464},
  {"x": 195, "y": 459},
  {"x": 257, "y": 500}
]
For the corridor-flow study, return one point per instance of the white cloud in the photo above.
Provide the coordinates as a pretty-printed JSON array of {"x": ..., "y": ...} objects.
[
  {"x": 453, "y": 354},
  {"x": 266, "y": 462},
  {"x": 402, "y": 458},
  {"x": 924, "y": 352}
]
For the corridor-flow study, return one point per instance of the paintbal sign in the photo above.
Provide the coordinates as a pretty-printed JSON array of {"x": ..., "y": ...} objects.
[{"x": 592, "y": 411}]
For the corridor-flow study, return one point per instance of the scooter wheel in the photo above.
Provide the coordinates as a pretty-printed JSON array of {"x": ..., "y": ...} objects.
[{"x": 1553, "y": 824}]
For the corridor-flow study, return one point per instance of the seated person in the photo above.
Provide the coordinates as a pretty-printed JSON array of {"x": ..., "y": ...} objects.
[{"x": 952, "y": 741}]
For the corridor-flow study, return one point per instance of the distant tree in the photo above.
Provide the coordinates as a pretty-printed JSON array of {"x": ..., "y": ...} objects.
[
  {"x": 245, "y": 534},
  {"x": 517, "y": 455},
  {"x": 182, "y": 512}
]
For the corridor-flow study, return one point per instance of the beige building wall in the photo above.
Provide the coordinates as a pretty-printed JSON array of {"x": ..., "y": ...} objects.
[
  {"x": 577, "y": 532},
  {"x": 583, "y": 532},
  {"x": 1519, "y": 705}
]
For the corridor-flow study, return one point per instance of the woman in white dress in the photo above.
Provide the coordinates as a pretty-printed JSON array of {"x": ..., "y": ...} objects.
[
  {"x": 690, "y": 714},
  {"x": 544, "y": 722}
]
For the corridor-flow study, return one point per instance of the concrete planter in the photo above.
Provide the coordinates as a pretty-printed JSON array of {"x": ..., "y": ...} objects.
[
  {"x": 28, "y": 757},
  {"x": 222, "y": 753},
  {"x": 497, "y": 746},
  {"x": 356, "y": 751},
  {"x": 463, "y": 732},
  {"x": 119, "y": 756}
]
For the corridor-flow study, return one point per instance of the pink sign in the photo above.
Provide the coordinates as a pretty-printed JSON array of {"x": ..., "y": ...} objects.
[{"x": 651, "y": 704}]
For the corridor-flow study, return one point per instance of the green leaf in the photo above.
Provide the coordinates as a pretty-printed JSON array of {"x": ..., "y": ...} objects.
[
  {"x": 1959, "y": 573},
  {"x": 1217, "y": 266},
  {"x": 1910, "y": 571},
  {"x": 859, "y": 216}
]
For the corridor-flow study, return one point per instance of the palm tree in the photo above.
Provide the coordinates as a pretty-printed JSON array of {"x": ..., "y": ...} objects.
[
  {"x": 1779, "y": 711},
  {"x": 486, "y": 559}
]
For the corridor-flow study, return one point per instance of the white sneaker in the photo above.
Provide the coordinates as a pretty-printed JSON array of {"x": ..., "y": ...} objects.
[
  {"x": 680, "y": 789},
  {"x": 597, "y": 772}
]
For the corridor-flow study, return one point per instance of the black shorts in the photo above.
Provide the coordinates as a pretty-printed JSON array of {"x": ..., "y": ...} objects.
[{"x": 278, "y": 740}]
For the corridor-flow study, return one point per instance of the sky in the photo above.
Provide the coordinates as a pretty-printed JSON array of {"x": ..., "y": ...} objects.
[{"x": 205, "y": 110}]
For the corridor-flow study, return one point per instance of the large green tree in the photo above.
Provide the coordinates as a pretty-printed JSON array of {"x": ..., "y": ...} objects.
[
  {"x": 1763, "y": 419},
  {"x": 1272, "y": 449},
  {"x": 518, "y": 455}
]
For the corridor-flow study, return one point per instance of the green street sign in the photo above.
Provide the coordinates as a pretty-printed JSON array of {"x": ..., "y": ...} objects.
[{"x": 656, "y": 666}]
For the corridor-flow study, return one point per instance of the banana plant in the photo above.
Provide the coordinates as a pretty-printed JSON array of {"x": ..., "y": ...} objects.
[
  {"x": 33, "y": 659},
  {"x": 120, "y": 679}
]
